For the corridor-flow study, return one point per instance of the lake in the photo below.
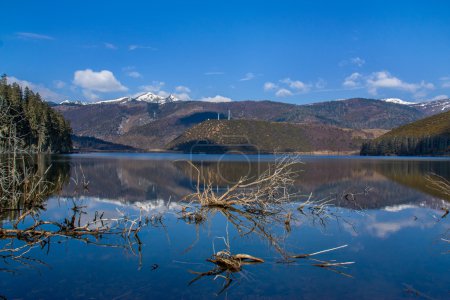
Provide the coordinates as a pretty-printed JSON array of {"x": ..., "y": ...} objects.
[{"x": 387, "y": 219}]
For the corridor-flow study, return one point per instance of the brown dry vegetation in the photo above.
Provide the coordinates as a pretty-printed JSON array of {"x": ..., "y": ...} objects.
[
  {"x": 150, "y": 126},
  {"x": 262, "y": 136}
]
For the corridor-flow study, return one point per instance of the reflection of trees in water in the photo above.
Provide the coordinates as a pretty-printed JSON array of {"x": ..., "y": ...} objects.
[
  {"x": 137, "y": 180},
  {"x": 38, "y": 177},
  {"x": 129, "y": 180},
  {"x": 257, "y": 207},
  {"x": 337, "y": 178},
  {"x": 413, "y": 174}
]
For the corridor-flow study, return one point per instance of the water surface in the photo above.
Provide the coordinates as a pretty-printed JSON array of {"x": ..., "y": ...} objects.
[{"x": 384, "y": 209}]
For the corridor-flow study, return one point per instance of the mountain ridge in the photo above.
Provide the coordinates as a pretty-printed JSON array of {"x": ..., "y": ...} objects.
[
  {"x": 151, "y": 125},
  {"x": 150, "y": 97}
]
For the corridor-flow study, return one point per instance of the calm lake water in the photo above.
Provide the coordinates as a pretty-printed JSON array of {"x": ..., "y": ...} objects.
[{"x": 384, "y": 209}]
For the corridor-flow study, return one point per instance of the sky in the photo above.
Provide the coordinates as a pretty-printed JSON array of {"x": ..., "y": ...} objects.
[{"x": 290, "y": 51}]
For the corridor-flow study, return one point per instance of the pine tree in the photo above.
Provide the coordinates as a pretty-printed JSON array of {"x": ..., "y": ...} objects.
[{"x": 24, "y": 115}]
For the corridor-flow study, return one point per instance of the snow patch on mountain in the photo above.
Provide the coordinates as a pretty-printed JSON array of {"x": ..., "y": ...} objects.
[
  {"x": 145, "y": 97},
  {"x": 118, "y": 100},
  {"x": 435, "y": 106},
  {"x": 397, "y": 101},
  {"x": 153, "y": 98},
  {"x": 73, "y": 102}
]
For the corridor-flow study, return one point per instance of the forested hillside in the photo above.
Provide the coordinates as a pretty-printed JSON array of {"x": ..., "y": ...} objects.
[
  {"x": 28, "y": 123},
  {"x": 148, "y": 126},
  {"x": 429, "y": 136},
  {"x": 219, "y": 136},
  {"x": 356, "y": 113}
]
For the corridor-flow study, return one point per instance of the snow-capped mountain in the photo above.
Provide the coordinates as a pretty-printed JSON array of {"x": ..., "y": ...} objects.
[
  {"x": 145, "y": 97},
  {"x": 118, "y": 100},
  {"x": 428, "y": 107},
  {"x": 433, "y": 107},
  {"x": 398, "y": 101},
  {"x": 73, "y": 102},
  {"x": 152, "y": 98}
]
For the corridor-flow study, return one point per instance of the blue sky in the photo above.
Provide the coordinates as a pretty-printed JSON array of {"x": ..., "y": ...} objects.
[{"x": 290, "y": 51}]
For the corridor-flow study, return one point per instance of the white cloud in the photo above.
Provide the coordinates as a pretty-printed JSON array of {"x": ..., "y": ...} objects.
[
  {"x": 269, "y": 86},
  {"x": 33, "y": 36},
  {"x": 156, "y": 86},
  {"x": 102, "y": 81},
  {"x": 135, "y": 47},
  {"x": 45, "y": 92},
  {"x": 134, "y": 74},
  {"x": 320, "y": 83},
  {"x": 296, "y": 85},
  {"x": 384, "y": 80},
  {"x": 248, "y": 76},
  {"x": 213, "y": 73},
  {"x": 283, "y": 93},
  {"x": 445, "y": 82},
  {"x": 183, "y": 89},
  {"x": 182, "y": 96},
  {"x": 163, "y": 94},
  {"x": 59, "y": 84},
  {"x": 384, "y": 229},
  {"x": 90, "y": 95},
  {"x": 216, "y": 99},
  {"x": 355, "y": 61},
  {"x": 440, "y": 97},
  {"x": 110, "y": 46},
  {"x": 353, "y": 80},
  {"x": 287, "y": 87}
]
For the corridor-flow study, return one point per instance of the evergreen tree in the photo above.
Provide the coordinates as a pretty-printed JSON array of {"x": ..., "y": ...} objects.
[{"x": 25, "y": 116}]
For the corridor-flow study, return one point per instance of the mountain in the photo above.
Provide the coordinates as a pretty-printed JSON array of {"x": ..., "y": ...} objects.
[
  {"x": 145, "y": 97},
  {"x": 429, "y": 108},
  {"x": 398, "y": 101},
  {"x": 147, "y": 122},
  {"x": 147, "y": 126},
  {"x": 219, "y": 136},
  {"x": 433, "y": 107},
  {"x": 428, "y": 136},
  {"x": 357, "y": 113},
  {"x": 152, "y": 98}
]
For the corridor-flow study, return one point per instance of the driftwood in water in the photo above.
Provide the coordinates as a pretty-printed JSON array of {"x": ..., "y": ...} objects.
[
  {"x": 226, "y": 264},
  {"x": 267, "y": 192},
  {"x": 31, "y": 231}
]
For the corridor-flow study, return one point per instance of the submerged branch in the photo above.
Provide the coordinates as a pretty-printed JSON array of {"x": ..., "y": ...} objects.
[{"x": 30, "y": 231}]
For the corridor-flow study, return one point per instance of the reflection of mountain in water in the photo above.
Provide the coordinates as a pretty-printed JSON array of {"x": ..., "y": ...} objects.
[
  {"x": 411, "y": 174},
  {"x": 392, "y": 182},
  {"x": 129, "y": 180},
  {"x": 336, "y": 178}
]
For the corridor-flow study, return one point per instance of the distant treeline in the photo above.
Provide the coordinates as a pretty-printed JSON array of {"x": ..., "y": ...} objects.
[
  {"x": 432, "y": 145},
  {"x": 28, "y": 123},
  {"x": 428, "y": 136}
]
